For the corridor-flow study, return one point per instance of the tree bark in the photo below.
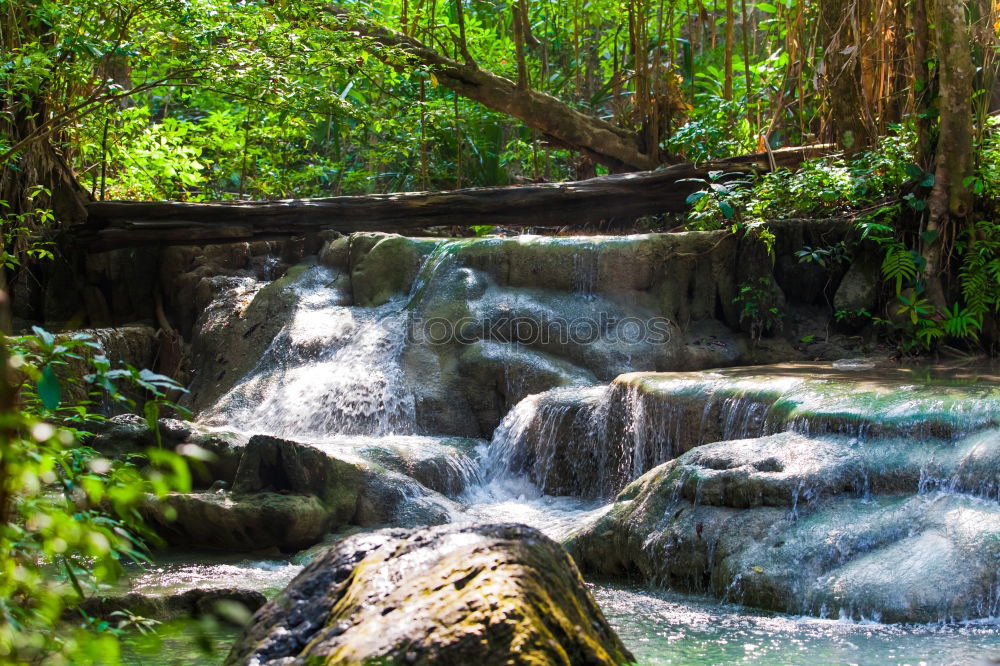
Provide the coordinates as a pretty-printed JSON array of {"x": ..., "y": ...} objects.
[
  {"x": 618, "y": 149},
  {"x": 117, "y": 224},
  {"x": 727, "y": 87},
  {"x": 950, "y": 200},
  {"x": 842, "y": 72}
]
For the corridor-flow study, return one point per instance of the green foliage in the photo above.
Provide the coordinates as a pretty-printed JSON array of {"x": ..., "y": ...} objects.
[
  {"x": 980, "y": 271},
  {"x": 826, "y": 257},
  {"x": 20, "y": 240},
  {"x": 862, "y": 185},
  {"x": 898, "y": 266},
  {"x": 70, "y": 517},
  {"x": 718, "y": 203},
  {"x": 985, "y": 182},
  {"x": 758, "y": 302}
]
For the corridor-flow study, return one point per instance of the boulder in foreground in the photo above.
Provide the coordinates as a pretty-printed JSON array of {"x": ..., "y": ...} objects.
[{"x": 484, "y": 595}]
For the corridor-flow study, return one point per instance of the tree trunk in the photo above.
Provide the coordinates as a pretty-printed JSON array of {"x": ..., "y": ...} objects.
[
  {"x": 619, "y": 149},
  {"x": 950, "y": 200},
  {"x": 727, "y": 87},
  {"x": 116, "y": 224},
  {"x": 842, "y": 72}
]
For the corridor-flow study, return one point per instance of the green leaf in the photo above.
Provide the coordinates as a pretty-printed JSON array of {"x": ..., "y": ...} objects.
[
  {"x": 47, "y": 338},
  {"x": 49, "y": 391},
  {"x": 898, "y": 265},
  {"x": 726, "y": 209},
  {"x": 929, "y": 236}
]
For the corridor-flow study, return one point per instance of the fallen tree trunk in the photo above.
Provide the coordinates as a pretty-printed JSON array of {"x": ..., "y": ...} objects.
[{"x": 117, "y": 224}]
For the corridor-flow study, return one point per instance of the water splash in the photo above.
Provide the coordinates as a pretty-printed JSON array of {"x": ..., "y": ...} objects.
[
  {"x": 331, "y": 370},
  {"x": 643, "y": 420}
]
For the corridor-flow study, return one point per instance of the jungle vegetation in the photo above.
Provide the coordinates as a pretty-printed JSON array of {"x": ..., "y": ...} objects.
[{"x": 200, "y": 100}]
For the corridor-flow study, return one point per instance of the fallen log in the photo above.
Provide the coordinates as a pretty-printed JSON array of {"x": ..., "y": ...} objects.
[{"x": 118, "y": 224}]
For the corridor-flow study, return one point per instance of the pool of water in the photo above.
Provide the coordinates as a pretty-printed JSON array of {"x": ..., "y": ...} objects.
[
  {"x": 660, "y": 627},
  {"x": 178, "y": 571},
  {"x": 180, "y": 643}
]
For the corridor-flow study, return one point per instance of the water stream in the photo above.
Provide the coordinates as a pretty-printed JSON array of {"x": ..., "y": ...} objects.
[{"x": 334, "y": 374}]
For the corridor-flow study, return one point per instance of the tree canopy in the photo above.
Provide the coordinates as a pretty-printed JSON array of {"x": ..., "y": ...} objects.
[{"x": 232, "y": 100}]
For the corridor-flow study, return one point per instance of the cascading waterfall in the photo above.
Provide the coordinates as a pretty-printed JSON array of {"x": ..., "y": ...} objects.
[
  {"x": 592, "y": 442},
  {"x": 331, "y": 370},
  {"x": 334, "y": 376},
  {"x": 586, "y": 270}
]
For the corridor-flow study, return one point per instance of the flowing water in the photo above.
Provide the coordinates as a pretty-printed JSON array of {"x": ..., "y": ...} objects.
[
  {"x": 332, "y": 369},
  {"x": 334, "y": 374},
  {"x": 659, "y": 627}
]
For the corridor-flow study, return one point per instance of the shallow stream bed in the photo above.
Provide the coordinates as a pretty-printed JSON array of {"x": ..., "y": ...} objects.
[{"x": 659, "y": 627}]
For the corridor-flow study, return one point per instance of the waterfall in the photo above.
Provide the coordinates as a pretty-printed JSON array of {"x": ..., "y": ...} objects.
[
  {"x": 586, "y": 270},
  {"x": 331, "y": 370},
  {"x": 592, "y": 442}
]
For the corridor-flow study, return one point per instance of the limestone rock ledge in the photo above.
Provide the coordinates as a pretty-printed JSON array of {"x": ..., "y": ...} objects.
[{"x": 896, "y": 530}]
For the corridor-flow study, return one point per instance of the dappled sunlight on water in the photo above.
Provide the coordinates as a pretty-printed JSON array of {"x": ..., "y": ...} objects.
[
  {"x": 665, "y": 628},
  {"x": 183, "y": 570}
]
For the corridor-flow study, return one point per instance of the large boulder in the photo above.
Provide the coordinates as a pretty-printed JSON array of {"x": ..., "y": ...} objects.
[
  {"x": 895, "y": 529},
  {"x": 260, "y": 521},
  {"x": 491, "y": 594}
]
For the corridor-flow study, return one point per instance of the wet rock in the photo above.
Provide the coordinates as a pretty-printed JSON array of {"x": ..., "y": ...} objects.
[
  {"x": 385, "y": 265},
  {"x": 192, "y": 276},
  {"x": 241, "y": 523},
  {"x": 493, "y": 594},
  {"x": 823, "y": 526},
  {"x": 126, "y": 433},
  {"x": 498, "y": 376},
  {"x": 129, "y": 433},
  {"x": 275, "y": 465},
  {"x": 447, "y": 465},
  {"x": 236, "y": 328},
  {"x": 390, "y": 498},
  {"x": 592, "y": 442},
  {"x": 352, "y": 490},
  {"x": 190, "y": 603},
  {"x": 289, "y": 495},
  {"x": 336, "y": 253}
]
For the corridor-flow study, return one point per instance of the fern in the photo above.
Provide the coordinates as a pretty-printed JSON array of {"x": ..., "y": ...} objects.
[
  {"x": 980, "y": 271},
  {"x": 961, "y": 323},
  {"x": 898, "y": 265}
]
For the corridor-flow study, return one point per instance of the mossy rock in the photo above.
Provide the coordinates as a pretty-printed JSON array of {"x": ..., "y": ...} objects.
[
  {"x": 486, "y": 595},
  {"x": 385, "y": 265},
  {"x": 252, "y": 522}
]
